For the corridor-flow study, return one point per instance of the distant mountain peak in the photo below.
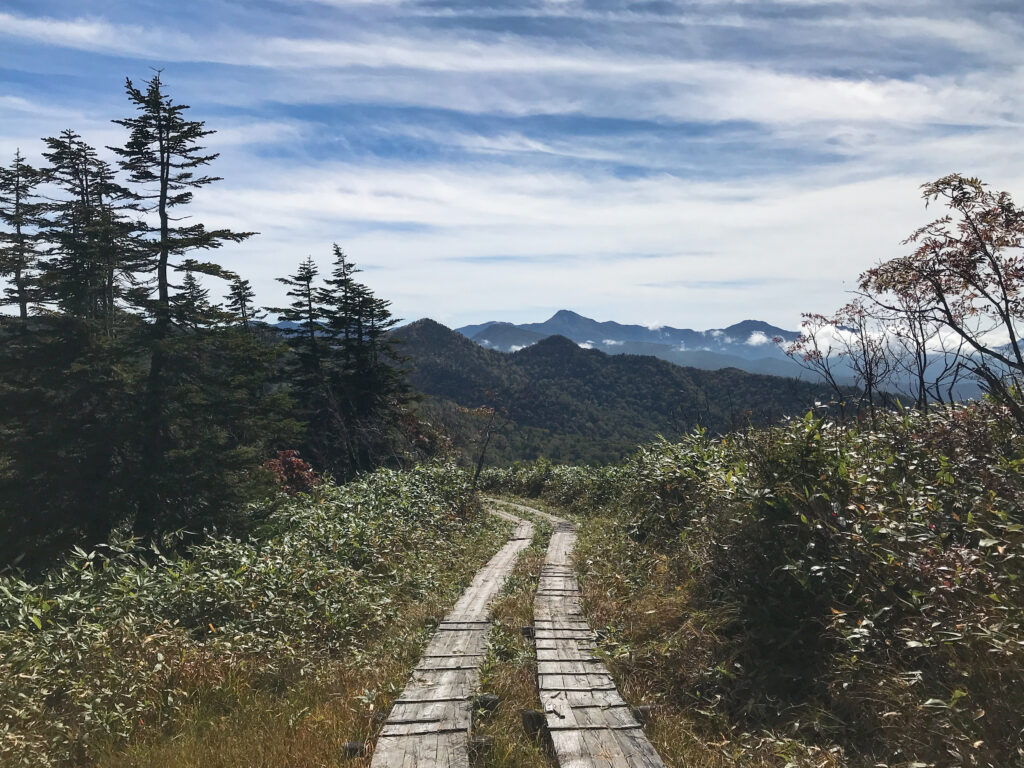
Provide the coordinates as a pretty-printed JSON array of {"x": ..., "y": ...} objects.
[
  {"x": 567, "y": 314},
  {"x": 556, "y": 342},
  {"x": 746, "y": 345}
]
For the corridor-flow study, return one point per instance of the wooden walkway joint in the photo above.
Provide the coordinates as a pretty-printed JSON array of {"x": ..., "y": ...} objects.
[
  {"x": 590, "y": 724},
  {"x": 429, "y": 724}
]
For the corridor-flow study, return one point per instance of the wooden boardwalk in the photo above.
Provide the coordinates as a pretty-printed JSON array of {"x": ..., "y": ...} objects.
[
  {"x": 429, "y": 724},
  {"x": 590, "y": 724}
]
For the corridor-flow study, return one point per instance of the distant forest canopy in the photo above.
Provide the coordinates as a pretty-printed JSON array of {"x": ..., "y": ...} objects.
[
  {"x": 753, "y": 346},
  {"x": 128, "y": 395},
  {"x": 130, "y": 398},
  {"x": 560, "y": 401}
]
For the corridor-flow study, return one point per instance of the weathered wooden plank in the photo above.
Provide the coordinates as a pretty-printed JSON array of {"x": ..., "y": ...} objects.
[
  {"x": 589, "y": 723},
  {"x": 429, "y": 724}
]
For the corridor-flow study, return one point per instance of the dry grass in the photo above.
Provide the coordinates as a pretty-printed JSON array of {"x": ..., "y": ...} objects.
[
  {"x": 654, "y": 644},
  {"x": 303, "y": 727},
  {"x": 247, "y": 719}
]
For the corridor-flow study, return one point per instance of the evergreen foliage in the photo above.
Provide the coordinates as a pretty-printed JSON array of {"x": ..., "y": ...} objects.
[
  {"x": 240, "y": 303},
  {"x": 129, "y": 399},
  {"x": 92, "y": 241},
  {"x": 21, "y": 214},
  {"x": 347, "y": 384}
]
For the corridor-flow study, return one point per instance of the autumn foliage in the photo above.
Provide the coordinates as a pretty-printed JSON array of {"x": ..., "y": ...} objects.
[{"x": 292, "y": 474}]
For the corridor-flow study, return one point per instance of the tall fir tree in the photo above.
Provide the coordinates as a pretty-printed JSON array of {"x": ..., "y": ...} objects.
[
  {"x": 339, "y": 298},
  {"x": 93, "y": 239},
  {"x": 22, "y": 215},
  {"x": 164, "y": 161},
  {"x": 302, "y": 318},
  {"x": 163, "y": 158},
  {"x": 241, "y": 303},
  {"x": 347, "y": 380}
]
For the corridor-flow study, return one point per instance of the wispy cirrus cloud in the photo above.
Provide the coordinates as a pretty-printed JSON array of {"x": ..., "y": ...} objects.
[{"x": 690, "y": 160}]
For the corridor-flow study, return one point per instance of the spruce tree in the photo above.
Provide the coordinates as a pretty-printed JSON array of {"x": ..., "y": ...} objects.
[
  {"x": 21, "y": 213},
  {"x": 162, "y": 424},
  {"x": 163, "y": 157},
  {"x": 191, "y": 307},
  {"x": 302, "y": 318},
  {"x": 93, "y": 239},
  {"x": 340, "y": 298},
  {"x": 240, "y": 303},
  {"x": 164, "y": 161}
]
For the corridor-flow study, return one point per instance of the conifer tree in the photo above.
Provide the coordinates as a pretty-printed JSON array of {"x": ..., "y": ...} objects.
[
  {"x": 93, "y": 239},
  {"x": 302, "y": 319},
  {"x": 164, "y": 160},
  {"x": 163, "y": 157},
  {"x": 359, "y": 322},
  {"x": 340, "y": 299},
  {"x": 240, "y": 303},
  {"x": 21, "y": 213},
  {"x": 191, "y": 307}
]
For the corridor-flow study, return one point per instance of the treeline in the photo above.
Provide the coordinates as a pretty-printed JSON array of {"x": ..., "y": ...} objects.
[{"x": 128, "y": 395}]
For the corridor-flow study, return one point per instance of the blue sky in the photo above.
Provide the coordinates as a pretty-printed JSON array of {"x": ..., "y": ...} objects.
[{"x": 690, "y": 163}]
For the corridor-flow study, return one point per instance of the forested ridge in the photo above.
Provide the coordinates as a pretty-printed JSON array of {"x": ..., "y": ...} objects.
[{"x": 566, "y": 403}]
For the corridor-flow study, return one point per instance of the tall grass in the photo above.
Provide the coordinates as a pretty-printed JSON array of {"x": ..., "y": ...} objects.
[
  {"x": 836, "y": 593},
  {"x": 250, "y": 645}
]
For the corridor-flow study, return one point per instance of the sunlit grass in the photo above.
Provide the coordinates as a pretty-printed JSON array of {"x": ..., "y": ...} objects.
[
  {"x": 655, "y": 643},
  {"x": 241, "y": 724}
]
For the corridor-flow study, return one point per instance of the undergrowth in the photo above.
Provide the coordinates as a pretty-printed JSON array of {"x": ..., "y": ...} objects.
[
  {"x": 813, "y": 593},
  {"x": 248, "y": 645}
]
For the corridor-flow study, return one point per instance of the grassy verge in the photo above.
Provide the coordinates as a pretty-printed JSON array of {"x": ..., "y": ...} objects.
[
  {"x": 265, "y": 652},
  {"x": 241, "y": 723},
  {"x": 813, "y": 593},
  {"x": 656, "y": 643},
  {"x": 510, "y": 669}
]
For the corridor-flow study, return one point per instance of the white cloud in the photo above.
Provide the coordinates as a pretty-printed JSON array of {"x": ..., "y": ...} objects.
[
  {"x": 612, "y": 343},
  {"x": 486, "y": 74},
  {"x": 424, "y": 227},
  {"x": 758, "y": 339}
]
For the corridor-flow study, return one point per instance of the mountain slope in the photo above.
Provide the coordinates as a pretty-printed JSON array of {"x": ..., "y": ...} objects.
[
  {"x": 746, "y": 345},
  {"x": 506, "y": 337},
  {"x": 575, "y": 404}
]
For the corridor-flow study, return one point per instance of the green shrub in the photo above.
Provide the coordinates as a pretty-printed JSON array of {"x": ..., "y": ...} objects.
[
  {"x": 123, "y": 636},
  {"x": 865, "y": 583}
]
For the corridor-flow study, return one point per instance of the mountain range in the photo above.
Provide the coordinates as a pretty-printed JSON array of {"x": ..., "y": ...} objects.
[
  {"x": 561, "y": 400},
  {"x": 748, "y": 345}
]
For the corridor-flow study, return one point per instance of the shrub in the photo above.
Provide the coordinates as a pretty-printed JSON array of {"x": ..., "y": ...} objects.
[
  {"x": 865, "y": 585},
  {"x": 122, "y": 636},
  {"x": 293, "y": 475}
]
